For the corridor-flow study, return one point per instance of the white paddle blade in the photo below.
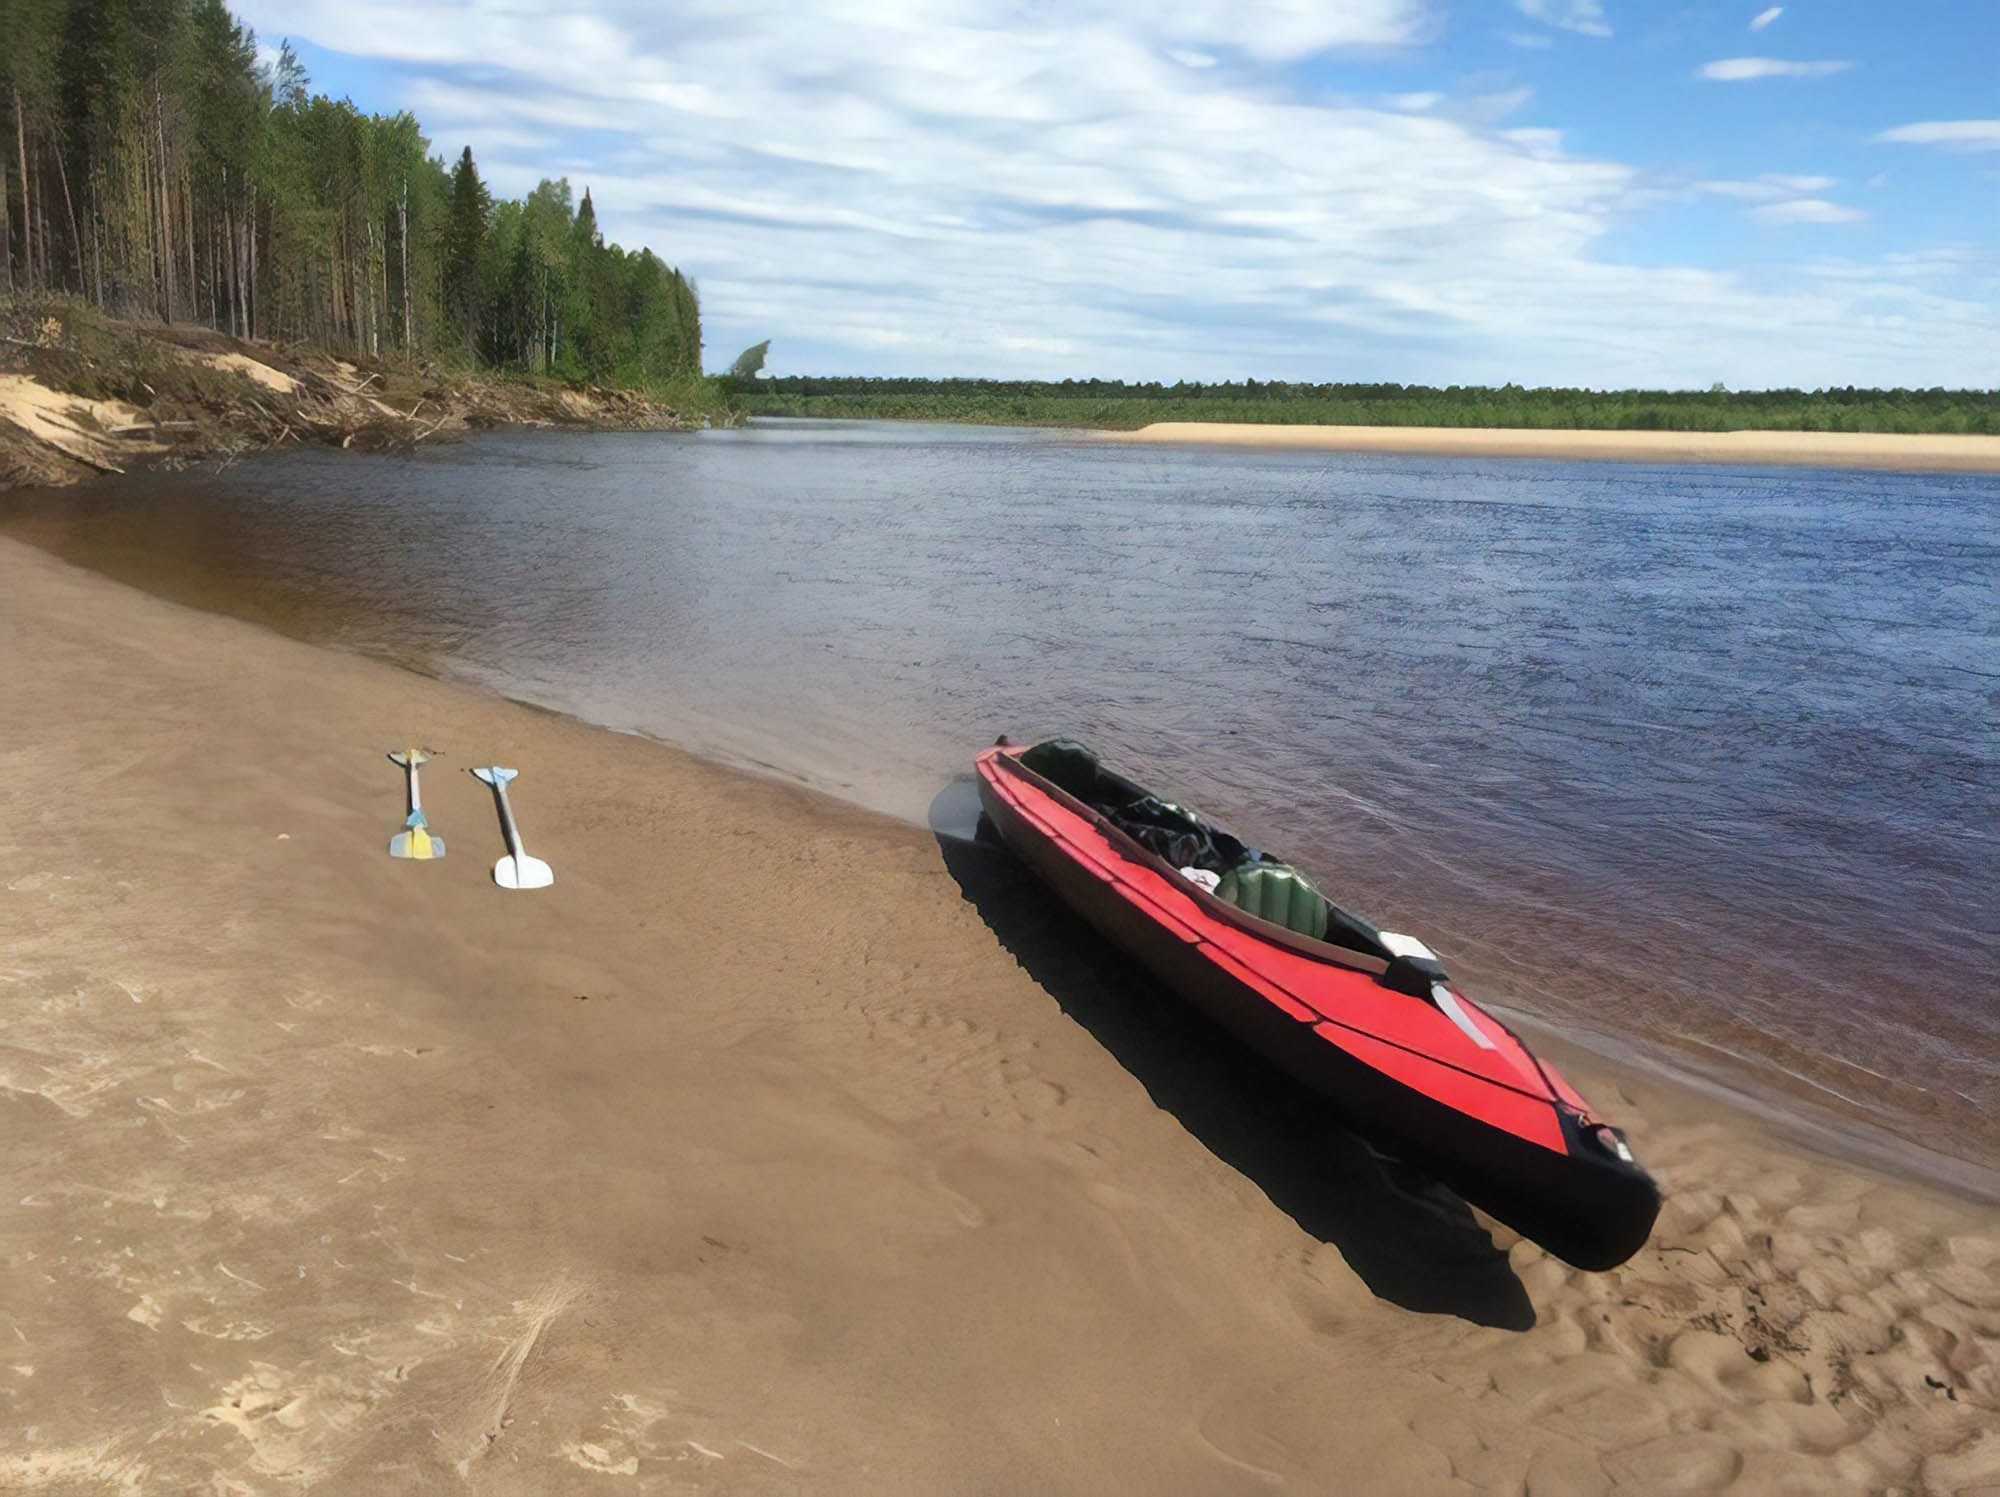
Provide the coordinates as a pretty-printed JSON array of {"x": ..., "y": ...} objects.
[
  {"x": 409, "y": 758},
  {"x": 417, "y": 842},
  {"x": 495, "y": 775},
  {"x": 523, "y": 872}
]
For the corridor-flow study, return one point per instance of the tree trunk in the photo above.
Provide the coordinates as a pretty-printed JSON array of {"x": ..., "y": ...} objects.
[
  {"x": 212, "y": 248},
  {"x": 187, "y": 237},
  {"x": 357, "y": 285},
  {"x": 166, "y": 255},
  {"x": 27, "y": 200},
  {"x": 357, "y": 299},
  {"x": 6, "y": 232},
  {"x": 76, "y": 239},
  {"x": 403, "y": 237},
  {"x": 232, "y": 279},
  {"x": 250, "y": 233}
]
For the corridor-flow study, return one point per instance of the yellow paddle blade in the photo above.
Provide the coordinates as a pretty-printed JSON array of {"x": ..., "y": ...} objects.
[{"x": 417, "y": 842}]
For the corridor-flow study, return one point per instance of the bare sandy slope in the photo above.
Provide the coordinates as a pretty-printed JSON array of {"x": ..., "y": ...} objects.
[
  {"x": 776, "y": 1150},
  {"x": 1909, "y": 454}
]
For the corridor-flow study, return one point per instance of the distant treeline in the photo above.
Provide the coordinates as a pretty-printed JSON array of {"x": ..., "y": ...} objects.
[
  {"x": 152, "y": 167},
  {"x": 1114, "y": 404}
]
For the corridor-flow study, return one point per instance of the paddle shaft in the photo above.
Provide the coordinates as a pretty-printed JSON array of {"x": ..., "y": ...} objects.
[
  {"x": 416, "y": 796},
  {"x": 513, "y": 833}
]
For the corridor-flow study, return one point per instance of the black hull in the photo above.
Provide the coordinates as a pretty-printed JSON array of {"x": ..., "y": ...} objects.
[{"x": 1585, "y": 1206}]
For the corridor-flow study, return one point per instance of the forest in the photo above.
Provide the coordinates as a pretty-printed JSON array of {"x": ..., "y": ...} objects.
[
  {"x": 153, "y": 168},
  {"x": 1115, "y": 405}
]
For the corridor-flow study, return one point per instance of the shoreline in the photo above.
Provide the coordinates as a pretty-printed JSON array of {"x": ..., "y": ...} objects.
[
  {"x": 1790, "y": 1104},
  {"x": 1887, "y": 451},
  {"x": 770, "y": 1148}
]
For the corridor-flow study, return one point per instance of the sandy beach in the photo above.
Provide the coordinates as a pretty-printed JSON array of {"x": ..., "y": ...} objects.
[
  {"x": 1813, "y": 449},
  {"x": 781, "y": 1148}
]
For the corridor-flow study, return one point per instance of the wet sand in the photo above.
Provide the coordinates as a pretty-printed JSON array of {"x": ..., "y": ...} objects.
[
  {"x": 1815, "y": 449},
  {"x": 781, "y": 1148}
]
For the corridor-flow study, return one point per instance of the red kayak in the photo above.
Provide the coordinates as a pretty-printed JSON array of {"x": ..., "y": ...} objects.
[{"x": 1366, "y": 1018}]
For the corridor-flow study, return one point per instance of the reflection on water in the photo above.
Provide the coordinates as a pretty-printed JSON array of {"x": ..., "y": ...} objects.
[{"x": 1699, "y": 760}]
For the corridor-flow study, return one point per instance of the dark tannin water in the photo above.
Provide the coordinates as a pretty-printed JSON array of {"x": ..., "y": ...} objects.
[{"x": 1693, "y": 762}]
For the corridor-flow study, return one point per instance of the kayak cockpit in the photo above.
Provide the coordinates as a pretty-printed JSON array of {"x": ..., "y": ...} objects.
[{"x": 1237, "y": 874}]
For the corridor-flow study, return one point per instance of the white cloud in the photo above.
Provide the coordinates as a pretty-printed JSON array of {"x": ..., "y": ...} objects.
[
  {"x": 1273, "y": 30},
  {"x": 1187, "y": 57},
  {"x": 1769, "y": 187},
  {"x": 1764, "y": 18},
  {"x": 1778, "y": 198},
  {"x": 1415, "y": 103},
  {"x": 1912, "y": 267},
  {"x": 1585, "y": 16},
  {"x": 1743, "y": 69},
  {"x": 1807, "y": 211},
  {"x": 1492, "y": 108},
  {"x": 909, "y": 186},
  {"x": 1954, "y": 135}
]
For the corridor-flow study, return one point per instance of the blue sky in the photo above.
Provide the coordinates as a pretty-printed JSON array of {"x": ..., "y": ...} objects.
[{"x": 1598, "y": 192}]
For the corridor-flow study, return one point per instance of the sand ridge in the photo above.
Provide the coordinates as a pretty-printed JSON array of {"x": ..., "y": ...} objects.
[{"x": 779, "y": 1148}]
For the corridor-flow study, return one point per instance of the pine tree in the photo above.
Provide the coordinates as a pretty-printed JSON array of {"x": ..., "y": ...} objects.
[
  {"x": 289, "y": 80},
  {"x": 464, "y": 241}
]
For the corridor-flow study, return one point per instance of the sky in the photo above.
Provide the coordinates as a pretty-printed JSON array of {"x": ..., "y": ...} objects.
[{"x": 1609, "y": 193}]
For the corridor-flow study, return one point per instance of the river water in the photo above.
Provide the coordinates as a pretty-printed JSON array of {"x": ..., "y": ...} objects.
[{"x": 1694, "y": 764}]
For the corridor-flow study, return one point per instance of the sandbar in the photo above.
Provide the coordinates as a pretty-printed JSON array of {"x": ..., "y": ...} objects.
[{"x": 1817, "y": 449}]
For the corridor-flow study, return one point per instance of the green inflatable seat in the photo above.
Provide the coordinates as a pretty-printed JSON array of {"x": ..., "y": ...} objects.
[{"x": 1281, "y": 895}]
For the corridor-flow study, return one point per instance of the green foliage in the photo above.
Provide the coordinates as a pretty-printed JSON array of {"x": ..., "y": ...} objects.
[
  {"x": 167, "y": 174},
  {"x": 462, "y": 243},
  {"x": 749, "y": 361},
  {"x": 1115, "y": 405}
]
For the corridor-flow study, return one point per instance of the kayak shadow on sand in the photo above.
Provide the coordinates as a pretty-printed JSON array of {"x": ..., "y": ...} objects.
[{"x": 1409, "y": 1238}]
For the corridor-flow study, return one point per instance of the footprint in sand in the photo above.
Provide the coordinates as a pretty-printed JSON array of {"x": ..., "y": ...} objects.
[
  {"x": 966, "y": 1067},
  {"x": 612, "y": 1462}
]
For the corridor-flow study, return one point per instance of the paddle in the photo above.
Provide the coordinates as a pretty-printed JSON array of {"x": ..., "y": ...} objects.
[
  {"x": 417, "y": 841},
  {"x": 517, "y": 870}
]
